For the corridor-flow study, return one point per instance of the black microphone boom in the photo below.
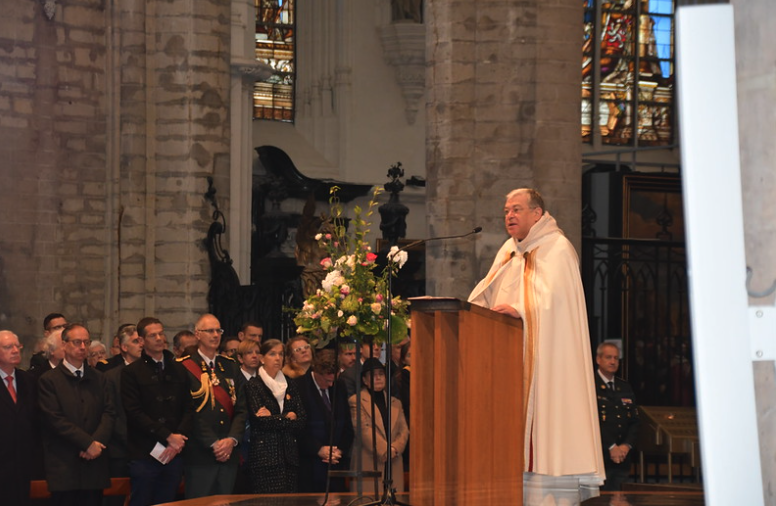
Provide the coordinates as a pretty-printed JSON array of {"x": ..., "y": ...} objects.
[{"x": 476, "y": 230}]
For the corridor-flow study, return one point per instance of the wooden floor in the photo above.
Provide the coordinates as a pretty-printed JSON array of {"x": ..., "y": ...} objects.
[{"x": 606, "y": 499}]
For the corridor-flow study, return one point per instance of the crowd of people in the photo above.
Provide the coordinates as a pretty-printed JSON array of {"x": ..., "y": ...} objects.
[
  {"x": 219, "y": 415},
  {"x": 249, "y": 414}
]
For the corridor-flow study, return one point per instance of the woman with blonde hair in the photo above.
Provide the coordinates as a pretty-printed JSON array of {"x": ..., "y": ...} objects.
[{"x": 299, "y": 357}]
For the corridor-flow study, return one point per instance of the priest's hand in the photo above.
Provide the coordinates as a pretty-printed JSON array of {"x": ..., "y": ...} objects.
[{"x": 506, "y": 309}]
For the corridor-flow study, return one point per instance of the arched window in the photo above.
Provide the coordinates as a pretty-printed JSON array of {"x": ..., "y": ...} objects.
[
  {"x": 275, "y": 46},
  {"x": 628, "y": 72}
]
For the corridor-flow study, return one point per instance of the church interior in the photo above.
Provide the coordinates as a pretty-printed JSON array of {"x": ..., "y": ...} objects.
[{"x": 171, "y": 158}]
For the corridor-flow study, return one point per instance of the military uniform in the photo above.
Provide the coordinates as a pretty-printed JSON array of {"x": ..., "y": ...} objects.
[
  {"x": 618, "y": 417},
  {"x": 217, "y": 415},
  {"x": 106, "y": 365}
]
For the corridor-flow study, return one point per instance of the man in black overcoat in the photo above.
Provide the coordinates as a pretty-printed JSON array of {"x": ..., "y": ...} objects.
[
  {"x": 618, "y": 417},
  {"x": 155, "y": 393},
  {"x": 77, "y": 422},
  {"x": 317, "y": 438}
]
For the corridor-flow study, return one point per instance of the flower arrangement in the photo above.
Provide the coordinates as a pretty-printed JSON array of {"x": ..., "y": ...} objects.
[{"x": 352, "y": 301}]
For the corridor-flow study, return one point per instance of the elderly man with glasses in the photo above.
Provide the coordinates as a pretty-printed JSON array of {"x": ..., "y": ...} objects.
[
  {"x": 219, "y": 415},
  {"x": 78, "y": 416},
  {"x": 18, "y": 427}
]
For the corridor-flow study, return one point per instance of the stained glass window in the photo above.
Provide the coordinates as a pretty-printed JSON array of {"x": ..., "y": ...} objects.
[
  {"x": 628, "y": 72},
  {"x": 275, "y": 26}
]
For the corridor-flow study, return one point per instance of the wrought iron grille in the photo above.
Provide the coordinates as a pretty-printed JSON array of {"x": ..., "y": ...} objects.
[{"x": 636, "y": 290}]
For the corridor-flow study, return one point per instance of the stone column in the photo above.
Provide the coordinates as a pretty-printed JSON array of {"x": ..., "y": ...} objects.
[
  {"x": 756, "y": 76},
  {"x": 503, "y": 112},
  {"x": 175, "y": 133},
  {"x": 52, "y": 181}
]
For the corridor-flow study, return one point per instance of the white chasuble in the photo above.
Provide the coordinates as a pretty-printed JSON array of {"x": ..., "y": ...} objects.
[{"x": 539, "y": 277}]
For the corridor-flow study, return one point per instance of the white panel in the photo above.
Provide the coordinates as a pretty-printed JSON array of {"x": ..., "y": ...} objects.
[
  {"x": 715, "y": 242},
  {"x": 762, "y": 332}
]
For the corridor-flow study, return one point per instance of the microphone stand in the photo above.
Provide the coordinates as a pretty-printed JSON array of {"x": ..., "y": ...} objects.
[{"x": 389, "y": 493}]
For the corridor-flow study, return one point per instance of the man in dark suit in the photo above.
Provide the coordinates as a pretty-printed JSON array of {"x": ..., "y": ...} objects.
[
  {"x": 53, "y": 353},
  {"x": 53, "y": 322},
  {"x": 219, "y": 415},
  {"x": 78, "y": 416},
  {"x": 618, "y": 416},
  {"x": 156, "y": 398},
  {"x": 130, "y": 346},
  {"x": 17, "y": 422},
  {"x": 325, "y": 406},
  {"x": 119, "y": 359}
]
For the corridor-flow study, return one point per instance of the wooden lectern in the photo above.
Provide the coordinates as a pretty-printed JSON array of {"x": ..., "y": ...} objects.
[{"x": 466, "y": 418}]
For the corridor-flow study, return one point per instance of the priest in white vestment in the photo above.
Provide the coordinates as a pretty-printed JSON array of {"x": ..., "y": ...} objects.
[{"x": 535, "y": 276}]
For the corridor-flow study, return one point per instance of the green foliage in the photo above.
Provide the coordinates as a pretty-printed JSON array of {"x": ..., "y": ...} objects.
[{"x": 352, "y": 299}]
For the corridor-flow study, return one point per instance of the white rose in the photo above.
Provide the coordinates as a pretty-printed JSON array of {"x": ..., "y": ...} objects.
[
  {"x": 333, "y": 278},
  {"x": 399, "y": 257}
]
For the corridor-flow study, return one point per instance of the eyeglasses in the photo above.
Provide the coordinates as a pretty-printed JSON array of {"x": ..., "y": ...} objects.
[
  {"x": 302, "y": 348},
  {"x": 57, "y": 327},
  {"x": 9, "y": 347},
  {"x": 80, "y": 342},
  {"x": 516, "y": 210},
  {"x": 211, "y": 331}
]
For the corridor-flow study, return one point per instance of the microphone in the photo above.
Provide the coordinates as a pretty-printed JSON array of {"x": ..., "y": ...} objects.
[{"x": 476, "y": 230}]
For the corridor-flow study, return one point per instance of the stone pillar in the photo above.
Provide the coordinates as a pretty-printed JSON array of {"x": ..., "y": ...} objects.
[
  {"x": 503, "y": 112},
  {"x": 174, "y": 134},
  {"x": 756, "y": 76},
  {"x": 52, "y": 182}
]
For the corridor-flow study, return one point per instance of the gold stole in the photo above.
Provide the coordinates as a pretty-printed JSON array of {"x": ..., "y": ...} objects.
[{"x": 529, "y": 329}]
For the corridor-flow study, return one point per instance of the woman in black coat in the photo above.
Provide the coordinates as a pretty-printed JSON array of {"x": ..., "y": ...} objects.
[{"x": 277, "y": 417}]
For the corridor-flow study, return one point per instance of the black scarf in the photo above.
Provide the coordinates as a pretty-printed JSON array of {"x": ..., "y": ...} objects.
[{"x": 379, "y": 400}]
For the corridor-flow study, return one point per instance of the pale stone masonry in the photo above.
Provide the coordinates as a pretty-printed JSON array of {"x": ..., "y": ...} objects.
[
  {"x": 503, "y": 112},
  {"x": 756, "y": 81},
  {"x": 52, "y": 153},
  {"x": 112, "y": 116}
]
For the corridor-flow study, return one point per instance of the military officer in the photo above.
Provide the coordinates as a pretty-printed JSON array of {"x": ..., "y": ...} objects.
[
  {"x": 618, "y": 416},
  {"x": 218, "y": 421}
]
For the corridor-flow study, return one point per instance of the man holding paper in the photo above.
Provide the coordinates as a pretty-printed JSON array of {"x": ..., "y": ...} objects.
[{"x": 155, "y": 394}]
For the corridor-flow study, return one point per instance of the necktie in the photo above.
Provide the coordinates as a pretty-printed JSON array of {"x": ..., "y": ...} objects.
[
  {"x": 160, "y": 368},
  {"x": 325, "y": 396},
  {"x": 610, "y": 384},
  {"x": 211, "y": 366},
  {"x": 11, "y": 389},
  {"x": 78, "y": 374}
]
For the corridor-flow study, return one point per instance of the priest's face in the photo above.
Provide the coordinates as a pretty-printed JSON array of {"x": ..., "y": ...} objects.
[{"x": 519, "y": 217}]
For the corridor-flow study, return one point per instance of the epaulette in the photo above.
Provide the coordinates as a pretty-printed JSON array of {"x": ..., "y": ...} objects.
[
  {"x": 103, "y": 361},
  {"x": 226, "y": 357},
  {"x": 181, "y": 359}
]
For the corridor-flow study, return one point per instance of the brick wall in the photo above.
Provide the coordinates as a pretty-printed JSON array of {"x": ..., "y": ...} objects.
[
  {"x": 503, "y": 113},
  {"x": 111, "y": 118}
]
